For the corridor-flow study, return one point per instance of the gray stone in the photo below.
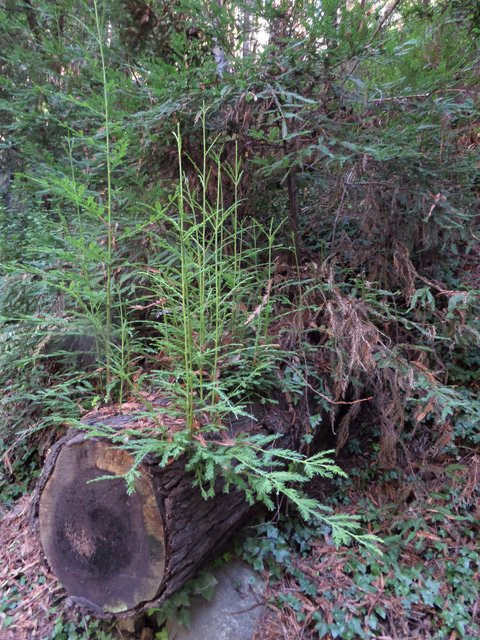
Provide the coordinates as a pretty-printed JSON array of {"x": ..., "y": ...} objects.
[{"x": 233, "y": 612}]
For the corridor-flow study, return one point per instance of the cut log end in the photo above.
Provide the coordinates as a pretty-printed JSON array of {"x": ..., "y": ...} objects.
[
  {"x": 106, "y": 547},
  {"x": 122, "y": 554}
]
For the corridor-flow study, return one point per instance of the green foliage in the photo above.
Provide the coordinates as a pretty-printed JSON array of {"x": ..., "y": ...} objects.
[
  {"x": 251, "y": 464},
  {"x": 67, "y": 630},
  {"x": 178, "y": 606},
  {"x": 18, "y": 473},
  {"x": 423, "y": 584},
  {"x": 214, "y": 200},
  {"x": 379, "y": 102},
  {"x": 263, "y": 473},
  {"x": 204, "y": 287}
]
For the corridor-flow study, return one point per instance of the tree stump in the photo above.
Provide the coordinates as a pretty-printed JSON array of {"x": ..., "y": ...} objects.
[{"x": 121, "y": 554}]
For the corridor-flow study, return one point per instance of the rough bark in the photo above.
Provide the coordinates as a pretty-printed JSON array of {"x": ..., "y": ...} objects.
[{"x": 119, "y": 554}]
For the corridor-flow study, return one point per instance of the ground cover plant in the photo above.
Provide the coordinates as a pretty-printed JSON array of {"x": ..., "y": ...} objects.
[
  {"x": 424, "y": 586},
  {"x": 219, "y": 200}
]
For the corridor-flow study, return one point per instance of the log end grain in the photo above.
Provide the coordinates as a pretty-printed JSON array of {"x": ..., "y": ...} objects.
[{"x": 107, "y": 548}]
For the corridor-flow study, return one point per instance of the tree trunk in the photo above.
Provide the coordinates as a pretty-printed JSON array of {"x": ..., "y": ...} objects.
[{"x": 119, "y": 554}]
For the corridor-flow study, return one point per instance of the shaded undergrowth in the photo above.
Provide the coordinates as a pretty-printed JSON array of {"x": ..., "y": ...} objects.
[{"x": 424, "y": 586}]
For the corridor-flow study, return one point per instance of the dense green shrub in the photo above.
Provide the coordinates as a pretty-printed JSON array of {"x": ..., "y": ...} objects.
[{"x": 327, "y": 175}]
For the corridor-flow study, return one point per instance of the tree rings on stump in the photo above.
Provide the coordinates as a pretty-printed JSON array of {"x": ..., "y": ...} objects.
[{"x": 107, "y": 548}]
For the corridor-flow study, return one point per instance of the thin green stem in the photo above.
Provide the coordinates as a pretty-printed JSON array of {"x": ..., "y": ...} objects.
[
  {"x": 108, "y": 266},
  {"x": 186, "y": 312}
]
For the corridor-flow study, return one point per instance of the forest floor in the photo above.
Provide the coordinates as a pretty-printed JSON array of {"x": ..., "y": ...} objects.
[{"x": 425, "y": 585}]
